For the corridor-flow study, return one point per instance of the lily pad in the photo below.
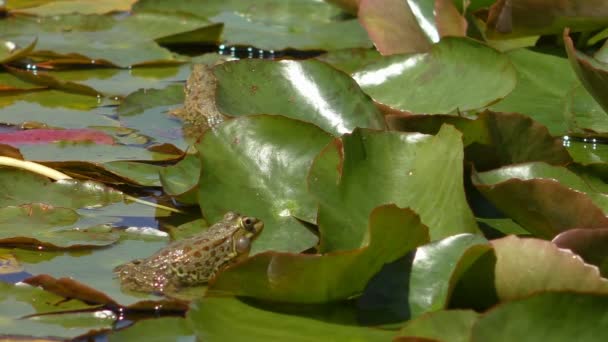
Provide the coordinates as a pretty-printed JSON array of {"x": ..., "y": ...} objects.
[
  {"x": 590, "y": 244},
  {"x": 17, "y": 301},
  {"x": 436, "y": 270},
  {"x": 592, "y": 73},
  {"x": 257, "y": 165},
  {"x": 532, "y": 194},
  {"x": 9, "y": 51},
  {"x": 540, "y": 76},
  {"x": 182, "y": 178},
  {"x": 42, "y": 225},
  {"x": 366, "y": 169},
  {"x": 46, "y": 8},
  {"x": 69, "y": 36},
  {"x": 350, "y": 60},
  {"x": 444, "y": 325},
  {"x": 137, "y": 173},
  {"x": 559, "y": 317},
  {"x": 309, "y": 90},
  {"x": 457, "y": 74},
  {"x": 156, "y": 330},
  {"x": 213, "y": 320},
  {"x": 307, "y": 278},
  {"x": 527, "y": 266},
  {"x": 584, "y": 115}
]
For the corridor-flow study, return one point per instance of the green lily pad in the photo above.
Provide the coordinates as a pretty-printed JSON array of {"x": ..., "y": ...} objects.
[
  {"x": 592, "y": 73},
  {"x": 10, "y": 84},
  {"x": 349, "y": 60},
  {"x": 436, "y": 270},
  {"x": 9, "y": 51},
  {"x": 182, "y": 179},
  {"x": 69, "y": 36},
  {"x": 147, "y": 111},
  {"x": 540, "y": 76},
  {"x": 492, "y": 139},
  {"x": 305, "y": 90},
  {"x": 589, "y": 244},
  {"x": 559, "y": 317},
  {"x": 541, "y": 17},
  {"x": 533, "y": 195},
  {"x": 137, "y": 173},
  {"x": 307, "y": 278},
  {"x": 42, "y": 225},
  {"x": 257, "y": 165},
  {"x": 212, "y": 319},
  {"x": 46, "y": 8},
  {"x": 365, "y": 169},
  {"x": 156, "y": 330},
  {"x": 457, "y": 74},
  {"x": 93, "y": 269},
  {"x": 444, "y": 325},
  {"x": 17, "y": 301},
  {"x": 584, "y": 115},
  {"x": 527, "y": 266}
]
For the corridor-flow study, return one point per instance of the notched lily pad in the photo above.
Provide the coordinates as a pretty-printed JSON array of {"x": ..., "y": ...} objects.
[
  {"x": 365, "y": 169},
  {"x": 316, "y": 278}
]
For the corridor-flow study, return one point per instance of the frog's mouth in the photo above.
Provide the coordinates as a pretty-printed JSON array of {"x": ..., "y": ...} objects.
[{"x": 258, "y": 227}]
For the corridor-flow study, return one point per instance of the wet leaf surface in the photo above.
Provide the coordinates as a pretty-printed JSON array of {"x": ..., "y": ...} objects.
[
  {"x": 532, "y": 194},
  {"x": 212, "y": 320},
  {"x": 442, "y": 81},
  {"x": 444, "y": 325},
  {"x": 368, "y": 168},
  {"x": 160, "y": 329},
  {"x": 316, "y": 278},
  {"x": 309, "y": 90},
  {"x": 240, "y": 163}
]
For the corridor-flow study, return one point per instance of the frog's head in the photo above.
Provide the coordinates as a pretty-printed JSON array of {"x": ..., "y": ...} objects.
[{"x": 248, "y": 228}]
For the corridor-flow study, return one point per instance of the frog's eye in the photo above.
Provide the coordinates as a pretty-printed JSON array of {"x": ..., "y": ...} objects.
[
  {"x": 243, "y": 245},
  {"x": 248, "y": 223}
]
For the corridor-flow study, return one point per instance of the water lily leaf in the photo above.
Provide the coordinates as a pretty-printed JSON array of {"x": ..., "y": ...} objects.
[
  {"x": 43, "y": 79},
  {"x": 136, "y": 173},
  {"x": 441, "y": 81},
  {"x": 317, "y": 278},
  {"x": 53, "y": 108},
  {"x": 69, "y": 36},
  {"x": 526, "y": 266},
  {"x": 368, "y": 168},
  {"x": 436, "y": 270},
  {"x": 539, "y": 76},
  {"x": 394, "y": 26},
  {"x": 350, "y": 60},
  {"x": 211, "y": 318},
  {"x": 88, "y": 274},
  {"x": 533, "y": 17},
  {"x": 592, "y": 73},
  {"x": 47, "y": 8},
  {"x": 156, "y": 330},
  {"x": 492, "y": 139},
  {"x": 43, "y": 225},
  {"x": 9, "y": 51},
  {"x": 559, "y": 317},
  {"x": 532, "y": 194},
  {"x": 146, "y": 111},
  {"x": 182, "y": 178},
  {"x": 17, "y": 301},
  {"x": 45, "y": 136},
  {"x": 444, "y": 325},
  {"x": 309, "y": 90},
  {"x": 590, "y": 244},
  {"x": 584, "y": 115},
  {"x": 264, "y": 159},
  {"x": 10, "y": 84}
]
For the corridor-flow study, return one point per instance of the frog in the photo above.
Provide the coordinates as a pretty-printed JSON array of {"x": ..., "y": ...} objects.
[{"x": 192, "y": 261}]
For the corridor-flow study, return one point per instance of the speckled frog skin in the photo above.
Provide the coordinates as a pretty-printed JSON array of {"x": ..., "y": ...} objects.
[{"x": 194, "y": 260}]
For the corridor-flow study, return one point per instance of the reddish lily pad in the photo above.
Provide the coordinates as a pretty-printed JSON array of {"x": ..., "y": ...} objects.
[
  {"x": 45, "y": 136},
  {"x": 316, "y": 278},
  {"x": 533, "y": 195},
  {"x": 457, "y": 74},
  {"x": 309, "y": 90},
  {"x": 257, "y": 165},
  {"x": 526, "y": 266},
  {"x": 590, "y": 244},
  {"x": 365, "y": 169}
]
